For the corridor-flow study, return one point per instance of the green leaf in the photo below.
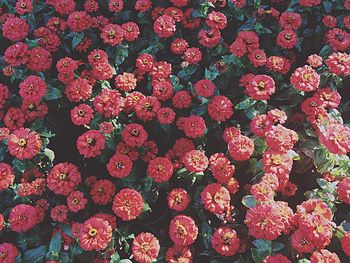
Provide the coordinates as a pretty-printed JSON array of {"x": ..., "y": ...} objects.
[
  {"x": 56, "y": 243},
  {"x": 50, "y": 154},
  {"x": 52, "y": 93},
  {"x": 294, "y": 155},
  {"x": 327, "y": 5},
  {"x": 249, "y": 201},
  {"x": 211, "y": 74},
  {"x": 35, "y": 255},
  {"x": 115, "y": 258},
  {"x": 78, "y": 37},
  {"x": 277, "y": 246},
  {"x": 326, "y": 51},
  {"x": 206, "y": 234},
  {"x": 126, "y": 261},
  {"x": 245, "y": 104},
  {"x": 19, "y": 165}
]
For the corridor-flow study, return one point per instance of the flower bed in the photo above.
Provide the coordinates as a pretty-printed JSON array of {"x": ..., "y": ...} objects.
[{"x": 174, "y": 131}]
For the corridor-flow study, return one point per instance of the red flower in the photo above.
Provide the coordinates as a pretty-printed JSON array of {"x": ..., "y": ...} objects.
[
  {"x": 163, "y": 90},
  {"x": 260, "y": 124},
  {"x": 330, "y": 21},
  {"x": 8, "y": 252},
  {"x": 290, "y": 20},
  {"x": 278, "y": 258},
  {"x": 305, "y": 79},
  {"x": 126, "y": 81},
  {"x": 127, "y": 204},
  {"x": 183, "y": 230},
  {"x": 178, "y": 199},
  {"x": 143, "y": 5},
  {"x": 134, "y": 135},
  {"x": 78, "y": 90},
  {"x": 216, "y": 20},
  {"x": 302, "y": 242},
  {"x": 339, "y": 63},
  {"x": 82, "y": 114},
  {"x": 193, "y": 55},
  {"x": 39, "y": 59},
  {"x": 76, "y": 201},
  {"x": 109, "y": 103},
  {"x": 338, "y": 39},
  {"x": 204, "y": 88},
  {"x": 16, "y": 54},
  {"x": 119, "y": 166},
  {"x": 181, "y": 99},
  {"x": 194, "y": 126},
  {"x": 79, "y": 21},
  {"x": 166, "y": 116},
  {"x": 264, "y": 222},
  {"x": 131, "y": 31},
  {"x": 216, "y": 198},
  {"x": 280, "y": 138},
  {"x": 95, "y": 234},
  {"x": 179, "y": 254},
  {"x": 287, "y": 39},
  {"x": 146, "y": 109},
  {"x": 345, "y": 243},
  {"x": 144, "y": 62},
  {"x": 7, "y": 176},
  {"x": 221, "y": 168},
  {"x": 164, "y": 26},
  {"x": 220, "y": 108},
  {"x": 229, "y": 133},
  {"x": 249, "y": 38},
  {"x": 160, "y": 169},
  {"x": 241, "y": 148},
  {"x": 14, "y": 119},
  {"x": 324, "y": 256},
  {"x": 24, "y": 144},
  {"x": 309, "y": 2},
  {"x": 145, "y": 248},
  {"x": 225, "y": 241},
  {"x": 277, "y": 163},
  {"x": 115, "y": 5},
  {"x": 63, "y": 178},
  {"x": 22, "y": 218},
  {"x": 179, "y": 46},
  {"x": 32, "y": 88},
  {"x": 102, "y": 192},
  {"x": 15, "y": 29},
  {"x": 91, "y": 143},
  {"x": 238, "y": 49},
  {"x": 112, "y": 34},
  {"x": 261, "y": 87},
  {"x": 336, "y": 138},
  {"x": 195, "y": 161},
  {"x": 343, "y": 190}
]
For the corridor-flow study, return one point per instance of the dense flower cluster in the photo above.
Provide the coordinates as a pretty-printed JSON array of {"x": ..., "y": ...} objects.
[{"x": 181, "y": 131}]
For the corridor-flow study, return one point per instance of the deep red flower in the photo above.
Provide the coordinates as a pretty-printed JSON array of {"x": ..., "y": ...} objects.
[
  {"x": 134, "y": 135},
  {"x": 91, "y": 143},
  {"x": 241, "y": 148},
  {"x": 119, "y": 166},
  {"x": 15, "y": 29},
  {"x": 63, "y": 178},
  {"x": 145, "y": 248},
  {"x": 102, "y": 192},
  {"x": 160, "y": 169},
  {"x": 305, "y": 79},
  {"x": 22, "y": 218},
  {"x": 178, "y": 199},
  {"x": 215, "y": 198},
  {"x": 164, "y": 26},
  {"x": 112, "y": 34},
  {"x": 7, "y": 176},
  {"x": 183, "y": 230},
  {"x": 225, "y": 241},
  {"x": 24, "y": 144},
  {"x": 220, "y": 108},
  {"x": 95, "y": 234},
  {"x": 127, "y": 204}
]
